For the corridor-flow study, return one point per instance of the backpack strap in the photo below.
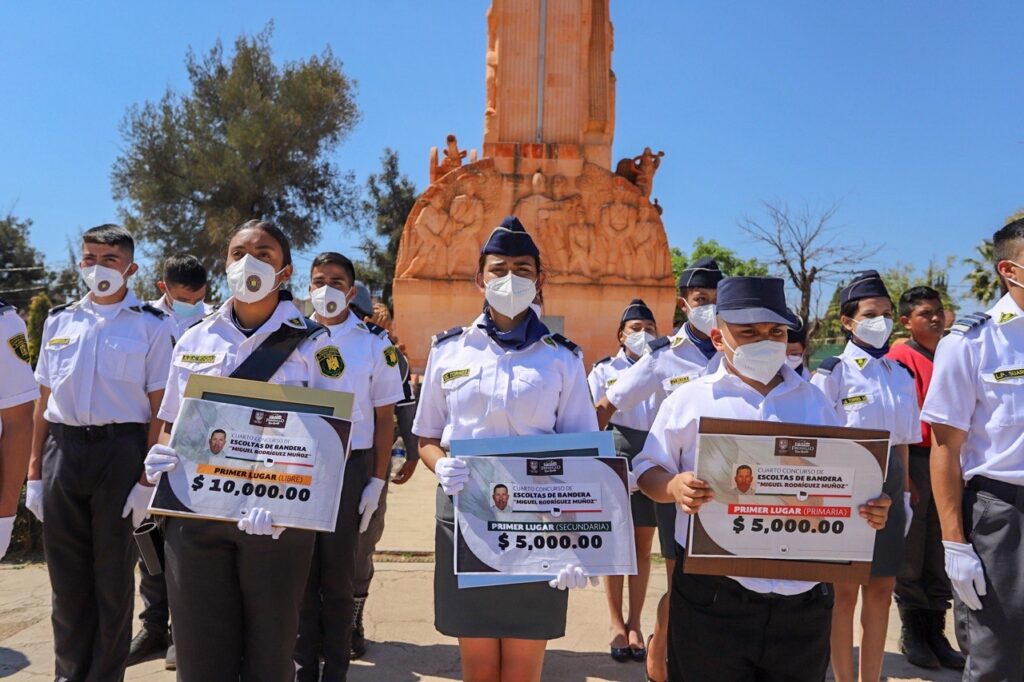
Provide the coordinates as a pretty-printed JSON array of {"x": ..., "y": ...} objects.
[{"x": 268, "y": 357}]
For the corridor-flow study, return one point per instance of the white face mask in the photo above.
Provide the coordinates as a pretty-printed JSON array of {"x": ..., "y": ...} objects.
[
  {"x": 511, "y": 294},
  {"x": 103, "y": 281},
  {"x": 874, "y": 331},
  {"x": 638, "y": 342},
  {"x": 251, "y": 280},
  {"x": 702, "y": 317},
  {"x": 329, "y": 302},
  {"x": 794, "y": 361},
  {"x": 760, "y": 360}
]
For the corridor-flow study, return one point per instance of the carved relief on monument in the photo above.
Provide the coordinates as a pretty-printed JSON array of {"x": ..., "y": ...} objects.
[
  {"x": 453, "y": 157},
  {"x": 640, "y": 170}
]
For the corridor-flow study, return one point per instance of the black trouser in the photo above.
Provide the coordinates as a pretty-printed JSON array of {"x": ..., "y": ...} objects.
[
  {"x": 234, "y": 599},
  {"x": 327, "y": 607},
  {"x": 87, "y": 475},
  {"x": 155, "y": 614},
  {"x": 922, "y": 583},
  {"x": 722, "y": 632}
]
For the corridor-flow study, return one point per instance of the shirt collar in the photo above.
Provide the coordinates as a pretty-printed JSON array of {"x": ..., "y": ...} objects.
[
  {"x": 346, "y": 326},
  {"x": 128, "y": 301},
  {"x": 286, "y": 314},
  {"x": 790, "y": 379},
  {"x": 859, "y": 356},
  {"x": 1006, "y": 310}
]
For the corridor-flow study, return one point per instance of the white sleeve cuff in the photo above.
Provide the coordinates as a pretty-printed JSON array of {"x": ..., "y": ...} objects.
[{"x": 19, "y": 399}]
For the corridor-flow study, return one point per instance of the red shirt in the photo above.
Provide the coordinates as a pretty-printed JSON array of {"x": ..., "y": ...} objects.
[{"x": 922, "y": 366}]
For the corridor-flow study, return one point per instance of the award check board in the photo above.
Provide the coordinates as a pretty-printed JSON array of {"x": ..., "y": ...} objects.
[
  {"x": 533, "y": 515},
  {"x": 286, "y": 454},
  {"x": 786, "y": 498}
]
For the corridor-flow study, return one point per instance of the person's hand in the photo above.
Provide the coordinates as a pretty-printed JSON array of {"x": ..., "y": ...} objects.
[
  {"x": 876, "y": 511},
  {"x": 259, "y": 522},
  {"x": 34, "y": 498},
  {"x": 631, "y": 480},
  {"x": 573, "y": 577},
  {"x": 137, "y": 504},
  {"x": 406, "y": 472},
  {"x": 6, "y": 528},
  {"x": 966, "y": 574},
  {"x": 369, "y": 501},
  {"x": 452, "y": 474},
  {"x": 690, "y": 492},
  {"x": 908, "y": 508},
  {"x": 161, "y": 459}
]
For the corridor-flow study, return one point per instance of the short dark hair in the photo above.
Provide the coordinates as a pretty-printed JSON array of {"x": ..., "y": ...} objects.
[
  {"x": 500, "y": 485},
  {"x": 334, "y": 258},
  {"x": 273, "y": 230},
  {"x": 1002, "y": 241},
  {"x": 913, "y": 297},
  {"x": 185, "y": 271},
  {"x": 849, "y": 309},
  {"x": 220, "y": 431},
  {"x": 110, "y": 235},
  {"x": 744, "y": 466}
]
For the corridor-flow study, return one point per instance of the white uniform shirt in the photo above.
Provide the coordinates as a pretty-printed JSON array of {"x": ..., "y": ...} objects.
[
  {"x": 18, "y": 385},
  {"x": 606, "y": 374},
  {"x": 371, "y": 362},
  {"x": 978, "y": 387},
  {"x": 474, "y": 388},
  {"x": 216, "y": 347},
  {"x": 659, "y": 373},
  {"x": 182, "y": 324},
  {"x": 872, "y": 393},
  {"x": 102, "y": 362},
  {"x": 672, "y": 443}
]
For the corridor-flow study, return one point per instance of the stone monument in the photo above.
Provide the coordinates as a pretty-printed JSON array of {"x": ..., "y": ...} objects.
[{"x": 548, "y": 126}]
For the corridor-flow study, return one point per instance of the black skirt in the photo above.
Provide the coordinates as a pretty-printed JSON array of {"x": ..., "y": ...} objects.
[
  {"x": 528, "y": 611},
  {"x": 629, "y": 443}
]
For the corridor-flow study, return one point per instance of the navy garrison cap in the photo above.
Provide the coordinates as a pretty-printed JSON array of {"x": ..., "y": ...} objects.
[
  {"x": 362, "y": 304},
  {"x": 867, "y": 284},
  {"x": 510, "y": 239},
  {"x": 636, "y": 310},
  {"x": 703, "y": 273},
  {"x": 752, "y": 300},
  {"x": 797, "y": 335}
]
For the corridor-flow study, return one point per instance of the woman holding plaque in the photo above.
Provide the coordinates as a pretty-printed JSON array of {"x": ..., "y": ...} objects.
[
  {"x": 637, "y": 329},
  {"x": 503, "y": 375},
  {"x": 869, "y": 391},
  {"x": 235, "y": 592}
]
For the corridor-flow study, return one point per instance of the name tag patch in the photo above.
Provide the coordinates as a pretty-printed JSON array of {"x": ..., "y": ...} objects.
[
  {"x": 854, "y": 400},
  {"x": 59, "y": 341},
  {"x": 199, "y": 358},
  {"x": 678, "y": 381},
  {"x": 1007, "y": 374},
  {"x": 453, "y": 375}
]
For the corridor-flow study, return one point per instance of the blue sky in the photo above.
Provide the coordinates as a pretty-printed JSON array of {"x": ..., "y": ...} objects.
[{"x": 907, "y": 113}]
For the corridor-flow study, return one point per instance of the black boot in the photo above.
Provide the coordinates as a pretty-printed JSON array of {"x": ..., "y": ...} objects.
[
  {"x": 914, "y": 639},
  {"x": 936, "y": 633},
  {"x": 358, "y": 636},
  {"x": 145, "y": 645}
]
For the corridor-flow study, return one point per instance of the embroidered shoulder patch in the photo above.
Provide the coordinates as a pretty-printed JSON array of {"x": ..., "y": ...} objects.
[
  {"x": 19, "y": 344},
  {"x": 391, "y": 356},
  {"x": 860, "y": 362},
  {"x": 1006, "y": 317},
  {"x": 330, "y": 362}
]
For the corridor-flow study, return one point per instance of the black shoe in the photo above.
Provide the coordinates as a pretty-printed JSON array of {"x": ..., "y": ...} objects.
[
  {"x": 171, "y": 658},
  {"x": 621, "y": 653},
  {"x": 358, "y": 636},
  {"x": 947, "y": 656},
  {"x": 914, "y": 639},
  {"x": 146, "y": 644}
]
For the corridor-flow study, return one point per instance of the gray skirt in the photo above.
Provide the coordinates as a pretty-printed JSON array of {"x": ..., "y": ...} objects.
[
  {"x": 629, "y": 443},
  {"x": 888, "y": 557},
  {"x": 529, "y": 611}
]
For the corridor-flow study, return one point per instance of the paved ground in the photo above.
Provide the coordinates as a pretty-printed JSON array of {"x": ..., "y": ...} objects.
[{"x": 399, "y": 617}]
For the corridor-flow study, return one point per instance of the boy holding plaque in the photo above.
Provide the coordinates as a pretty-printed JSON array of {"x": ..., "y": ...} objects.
[{"x": 723, "y": 628}]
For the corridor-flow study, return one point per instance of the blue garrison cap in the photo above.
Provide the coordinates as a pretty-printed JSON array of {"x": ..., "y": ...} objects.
[
  {"x": 636, "y": 310},
  {"x": 703, "y": 273},
  {"x": 362, "y": 303},
  {"x": 867, "y": 284},
  {"x": 753, "y": 300},
  {"x": 510, "y": 239}
]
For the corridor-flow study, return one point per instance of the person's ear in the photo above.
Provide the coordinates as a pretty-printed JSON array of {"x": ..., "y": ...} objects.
[
  {"x": 132, "y": 269},
  {"x": 717, "y": 339},
  {"x": 681, "y": 303},
  {"x": 286, "y": 273},
  {"x": 905, "y": 321},
  {"x": 1005, "y": 269},
  {"x": 162, "y": 286},
  {"x": 541, "y": 278},
  {"x": 848, "y": 323},
  {"x": 478, "y": 279}
]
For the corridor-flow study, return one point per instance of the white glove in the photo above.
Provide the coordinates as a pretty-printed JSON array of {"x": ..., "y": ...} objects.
[
  {"x": 369, "y": 501},
  {"x": 631, "y": 479},
  {"x": 963, "y": 566},
  {"x": 6, "y": 528},
  {"x": 259, "y": 522},
  {"x": 34, "y": 498},
  {"x": 161, "y": 458},
  {"x": 452, "y": 473},
  {"x": 137, "y": 504},
  {"x": 909, "y": 509},
  {"x": 573, "y": 577}
]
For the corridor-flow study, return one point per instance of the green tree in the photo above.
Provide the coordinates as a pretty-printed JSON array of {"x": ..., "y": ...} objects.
[
  {"x": 983, "y": 280},
  {"x": 38, "y": 309},
  {"x": 388, "y": 199},
  {"x": 22, "y": 272},
  {"x": 728, "y": 261},
  {"x": 252, "y": 139}
]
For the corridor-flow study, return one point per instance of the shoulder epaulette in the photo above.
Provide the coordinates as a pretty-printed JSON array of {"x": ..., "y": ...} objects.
[
  {"x": 904, "y": 366},
  {"x": 60, "y": 308},
  {"x": 376, "y": 330},
  {"x": 564, "y": 342},
  {"x": 441, "y": 337},
  {"x": 603, "y": 361},
  {"x": 969, "y": 322},
  {"x": 147, "y": 308},
  {"x": 314, "y": 329},
  {"x": 5, "y": 306},
  {"x": 659, "y": 343},
  {"x": 829, "y": 364}
]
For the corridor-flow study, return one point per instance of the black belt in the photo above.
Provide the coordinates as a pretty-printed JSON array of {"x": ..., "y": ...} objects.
[
  {"x": 94, "y": 433},
  {"x": 1007, "y": 492}
]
